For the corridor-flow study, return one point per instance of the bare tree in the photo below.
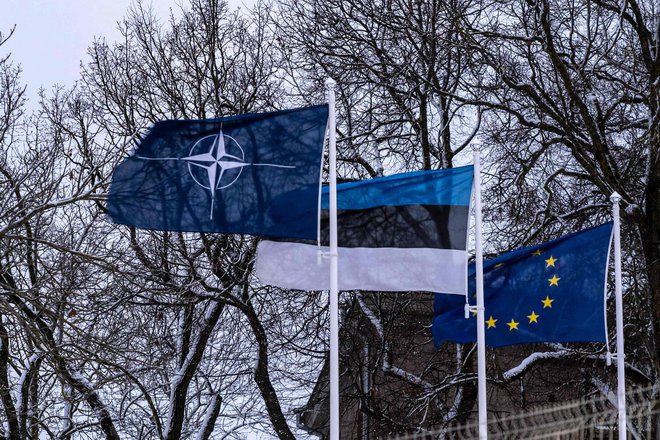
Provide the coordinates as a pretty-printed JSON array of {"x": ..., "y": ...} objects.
[
  {"x": 572, "y": 99},
  {"x": 568, "y": 99},
  {"x": 398, "y": 67},
  {"x": 209, "y": 62},
  {"x": 117, "y": 333},
  {"x": 401, "y": 72},
  {"x": 39, "y": 178}
]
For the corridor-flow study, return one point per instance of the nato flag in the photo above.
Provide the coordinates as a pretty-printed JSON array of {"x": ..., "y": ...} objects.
[
  {"x": 554, "y": 292},
  {"x": 246, "y": 174}
]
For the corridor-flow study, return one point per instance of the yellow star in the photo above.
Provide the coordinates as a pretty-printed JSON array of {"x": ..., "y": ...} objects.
[
  {"x": 554, "y": 281},
  {"x": 537, "y": 252},
  {"x": 499, "y": 265},
  {"x": 550, "y": 261},
  {"x": 513, "y": 325},
  {"x": 491, "y": 322},
  {"x": 474, "y": 313},
  {"x": 533, "y": 317},
  {"x": 547, "y": 302}
]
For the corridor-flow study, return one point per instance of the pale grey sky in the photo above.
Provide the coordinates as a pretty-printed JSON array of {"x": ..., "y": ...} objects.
[{"x": 52, "y": 36}]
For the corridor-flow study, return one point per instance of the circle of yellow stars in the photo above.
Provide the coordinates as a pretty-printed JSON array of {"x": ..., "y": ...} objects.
[{"x": 533, "y": 317}]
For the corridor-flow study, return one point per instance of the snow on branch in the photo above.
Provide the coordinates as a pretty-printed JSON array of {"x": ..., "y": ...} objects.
[
  {"x": 53, "y": 204},
  {"x": 375, "y": 321},
  {"x": 532, "y": 359},
  {"x": 408, "y": 377},
  {"x": 388, "y": 368}
]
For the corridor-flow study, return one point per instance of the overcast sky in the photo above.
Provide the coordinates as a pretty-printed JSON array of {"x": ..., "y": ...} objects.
[{"x": 52, "y": 36}]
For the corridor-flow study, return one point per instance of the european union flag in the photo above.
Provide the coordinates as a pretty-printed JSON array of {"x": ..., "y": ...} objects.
[
  {"x": 554, "y": 292},
  {"x": 247, "y": 174}
]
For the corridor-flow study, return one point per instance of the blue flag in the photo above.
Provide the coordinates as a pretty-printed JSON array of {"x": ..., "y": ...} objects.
[
  {"x": 247, "y": 174},
  {"x": 554, "y": 292}
]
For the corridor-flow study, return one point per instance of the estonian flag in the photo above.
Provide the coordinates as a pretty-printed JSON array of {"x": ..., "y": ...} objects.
[
  {"x": 406, "y": 232},
  {"x": 553, "y": 292},
  {"x": 244, "y": 174}
]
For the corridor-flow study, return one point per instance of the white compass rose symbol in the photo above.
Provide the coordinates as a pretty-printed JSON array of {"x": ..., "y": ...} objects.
[
  {"x": 215, "y": 161},
  {"x": 209, "y": 163}
]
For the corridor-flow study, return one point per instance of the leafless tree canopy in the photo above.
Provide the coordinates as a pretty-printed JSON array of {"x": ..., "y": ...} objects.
[{"x": 111, "y": 332}]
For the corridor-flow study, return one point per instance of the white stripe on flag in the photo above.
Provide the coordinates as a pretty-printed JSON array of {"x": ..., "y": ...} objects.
[{"x": 295, "y": 266}]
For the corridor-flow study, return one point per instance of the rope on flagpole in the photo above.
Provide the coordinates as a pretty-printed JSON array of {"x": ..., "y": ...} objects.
[
  {"x": 620, "y": 353},
  {"x": 334, "y": 278}
]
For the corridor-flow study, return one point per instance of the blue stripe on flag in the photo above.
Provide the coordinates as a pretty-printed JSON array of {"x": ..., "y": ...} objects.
[{"x": 437, "y": 187}]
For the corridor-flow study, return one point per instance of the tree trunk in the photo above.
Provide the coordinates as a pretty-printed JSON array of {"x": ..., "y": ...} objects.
[
  {"x": 185, "y": 374},
  {"x": 5, "y": 392},
  {"x": 651, "y": 237},
  {"x": 262, "y": 377}
]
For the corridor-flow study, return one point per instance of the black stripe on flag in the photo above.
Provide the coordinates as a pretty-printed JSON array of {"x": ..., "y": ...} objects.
[{"x": 407, "y": 226}]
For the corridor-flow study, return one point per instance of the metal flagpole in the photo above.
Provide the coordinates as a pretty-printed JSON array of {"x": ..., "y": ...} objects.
[
  {"x": 620, "y": 354},
  {"x": 334, "y": 279},
  {"x": 481, "y": 326}
]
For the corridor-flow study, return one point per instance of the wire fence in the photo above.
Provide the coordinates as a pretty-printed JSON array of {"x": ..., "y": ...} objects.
[{"x": 592, "y": 418}]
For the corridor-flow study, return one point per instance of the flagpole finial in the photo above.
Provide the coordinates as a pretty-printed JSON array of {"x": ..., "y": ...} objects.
[
  {"x": 476, "y": 151},
  {"x": 330, "y": 83},
  {"x": 615, "y": 197}
]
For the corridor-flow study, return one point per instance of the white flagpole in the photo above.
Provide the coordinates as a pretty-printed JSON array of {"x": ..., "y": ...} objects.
[
  {"x": 481, "y": 326},
  {"x": 334, "y": 272},
  {"x": 620, "y": 353}
]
